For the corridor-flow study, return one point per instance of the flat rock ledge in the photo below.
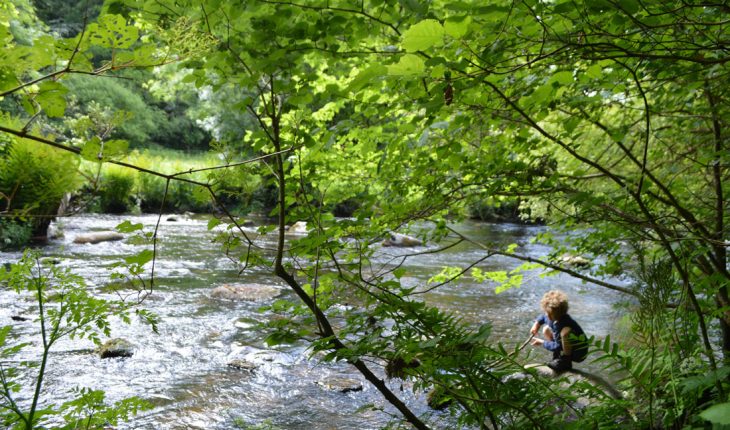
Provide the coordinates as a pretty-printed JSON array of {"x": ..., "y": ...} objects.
[
  {"x": 341, "y": 384},
  {"x": 246, "y": 292},
  {"x": 117, "y": 347},
  {"x": 575, "y": 375},
  {"x": 438, "y": 399},
  {"x": 101, "y": 236}
]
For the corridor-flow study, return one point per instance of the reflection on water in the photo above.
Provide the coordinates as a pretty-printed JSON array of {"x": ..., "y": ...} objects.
[{"x": 183, "y": 371}]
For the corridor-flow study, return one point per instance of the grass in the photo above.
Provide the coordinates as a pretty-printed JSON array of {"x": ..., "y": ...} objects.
[{"x": 121, "y": 189}]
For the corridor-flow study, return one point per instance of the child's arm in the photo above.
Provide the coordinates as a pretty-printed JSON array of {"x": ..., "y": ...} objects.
[
  {"x": 567, "y": 347},
  {"x": 535, "y": 327}
]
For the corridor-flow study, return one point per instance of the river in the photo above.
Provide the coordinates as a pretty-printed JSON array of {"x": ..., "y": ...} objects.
[{"x": 183, "y": 371}]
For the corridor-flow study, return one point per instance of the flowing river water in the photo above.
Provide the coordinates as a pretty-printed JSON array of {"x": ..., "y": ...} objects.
[{"x": 183, "y": 371}]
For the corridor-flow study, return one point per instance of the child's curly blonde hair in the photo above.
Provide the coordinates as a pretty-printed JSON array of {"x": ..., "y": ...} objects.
[{"x": 556, "y": 302}]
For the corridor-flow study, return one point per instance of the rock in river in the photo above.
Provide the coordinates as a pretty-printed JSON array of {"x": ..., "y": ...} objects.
[
  {"x": 241, "y": 364},
  {"x": 117, "y": 347},
  {"x": 299, "y": 227},
  {"x": 577, "y": 261},
  {"x": 100, "y": 236},
  {"x": 342, "y": 384},
  {"x": 397, "y": 239},
  {"x": 246, "y": 292}
]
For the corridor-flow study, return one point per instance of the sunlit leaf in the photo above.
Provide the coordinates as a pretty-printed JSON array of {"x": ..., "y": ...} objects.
[
  {"x": 423, "y": 35},
  {"x": 409, "y": 64}
]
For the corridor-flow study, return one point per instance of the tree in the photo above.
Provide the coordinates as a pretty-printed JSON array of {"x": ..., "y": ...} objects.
[{"x": 605, "y": 117}]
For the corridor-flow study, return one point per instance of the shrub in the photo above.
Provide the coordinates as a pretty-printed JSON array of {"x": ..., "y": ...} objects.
[
  {"x": 14, "y": 234},
  {"x": 116, "y": 193},
  {"x": 181, "y": 196},
  {"x": 492, "y": 210},
  {"x": 34, "y": 179}
]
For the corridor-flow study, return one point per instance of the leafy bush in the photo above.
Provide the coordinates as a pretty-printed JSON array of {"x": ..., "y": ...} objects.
[
  {"x": 492, "y": 210},
  {"x": 33, "y": 180},
  {"x": 180, "y": 132},
  {"x": 239, "y": 189},
  {"x": 14, "y": 234},
  {"x": 180, "y": 197},
  {"x": 116, "y": 193}
]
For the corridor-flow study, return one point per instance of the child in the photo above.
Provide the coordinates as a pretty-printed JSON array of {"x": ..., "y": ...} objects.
[{"x": 560, "y": 332}]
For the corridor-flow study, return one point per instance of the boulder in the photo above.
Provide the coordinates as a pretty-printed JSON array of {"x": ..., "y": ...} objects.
[
  {"x": 570, "y": 260},
  {"x": 117, "y": 347},
  {"x": 299, "y": 227},
  {"x": 100, "y": 236},
  {"x": 397, "y": 239},
  {"x": 246, "y": 292},
  {"x": 342, "y": 384}
]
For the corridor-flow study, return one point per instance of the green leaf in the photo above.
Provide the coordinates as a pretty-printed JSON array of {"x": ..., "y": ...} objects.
[
  {"x": 213, "y": 223},
  {"x": 141, "y": 258},
  {"x": 97, "y": 150},
  {"x": 457, "y": 27},
  {"x": 423, "y": 35},
  {"x": 409, "y": 64},
  {"x": 51, "y": 97},
  {"x": 112, "y": 31},
  {"x": 595, "y": 71},
  {"x": 367, "y": 75},
  {"x": 8, "y": 79},
  {"x": 563, "y": 78},
  {"x": 92, "y": 149},
  {"x": 128, "y": 227},
  {"x": 571, "y": 123},
  {"x": 717, "y": 414}
]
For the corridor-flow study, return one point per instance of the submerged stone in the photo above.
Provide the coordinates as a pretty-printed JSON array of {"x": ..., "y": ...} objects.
[
  {"x": 246, "y": 292},
  {"x": 101, "y": 236},
  {"x": 244, "y": 365}
]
